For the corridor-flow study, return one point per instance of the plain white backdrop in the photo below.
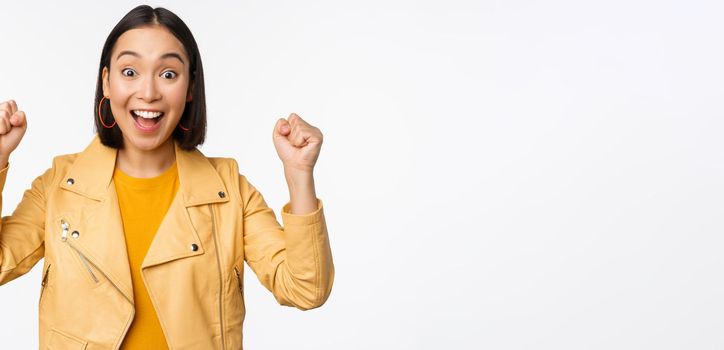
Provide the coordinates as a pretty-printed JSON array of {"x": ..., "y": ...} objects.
[{"x": 496, "y": 174}]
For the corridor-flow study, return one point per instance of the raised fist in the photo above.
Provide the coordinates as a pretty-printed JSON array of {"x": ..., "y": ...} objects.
[
  {"x": 12, "y": 129},
  {"x": 297, "y": 143}
]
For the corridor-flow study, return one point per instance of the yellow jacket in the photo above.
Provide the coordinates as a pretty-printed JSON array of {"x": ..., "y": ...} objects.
[{"x": 193, "y": 268}]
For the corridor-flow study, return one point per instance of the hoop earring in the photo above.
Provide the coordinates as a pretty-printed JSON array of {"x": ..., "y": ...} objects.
[
  {"x": 101, "y": 117},
  {"x": 188, "y": 100}
]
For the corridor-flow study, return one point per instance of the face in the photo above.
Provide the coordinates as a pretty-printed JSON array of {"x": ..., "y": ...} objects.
[{"x": 147, "y": 85}]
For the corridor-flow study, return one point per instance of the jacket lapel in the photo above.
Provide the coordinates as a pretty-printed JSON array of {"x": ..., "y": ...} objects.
[
  {"x": 104, "y": 243},
  {"x": 92, "y": 171},
  {"x": 177, "y": 236},
  {"x": 104, "y": 240},
  {"x": 101, "y": 228}
]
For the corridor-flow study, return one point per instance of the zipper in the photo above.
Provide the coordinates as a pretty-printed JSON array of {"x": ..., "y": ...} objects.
[
  {"x": 44, "y": 283},
  {"x": 45, "y": 276},
  {"x": 241, "y": 294},
  {"x": 64, "y": 237},
  {"x": 238, "y": 281},
  {"x": 87, "y": 263},
  {"x": 221, "y": 279}
]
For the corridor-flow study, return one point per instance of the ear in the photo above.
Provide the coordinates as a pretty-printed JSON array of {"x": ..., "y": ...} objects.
[{"x": 106, "y": 83}]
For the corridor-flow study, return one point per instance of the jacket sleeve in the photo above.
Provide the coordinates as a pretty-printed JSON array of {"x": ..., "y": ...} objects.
[
  {"x": 293, "y": 262},
  {"x": 22, "y": 234}
]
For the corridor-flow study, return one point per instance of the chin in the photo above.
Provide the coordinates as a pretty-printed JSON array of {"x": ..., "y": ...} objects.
[{"x": 146, "y": 142}]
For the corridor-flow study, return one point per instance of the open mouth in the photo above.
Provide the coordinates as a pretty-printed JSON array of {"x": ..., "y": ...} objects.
[{"x": 146, "y": 119}]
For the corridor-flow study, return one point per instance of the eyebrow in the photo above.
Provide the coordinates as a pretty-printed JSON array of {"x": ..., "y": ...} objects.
[{"x": 164, "y": 56}]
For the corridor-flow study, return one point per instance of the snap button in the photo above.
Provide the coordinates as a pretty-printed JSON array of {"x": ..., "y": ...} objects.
[
  {"x": 222, "y": 194},
  {"x": 194, "y": 247},
  {"x": 75, "y": 234},
  {"x": 70, "y": 181}
]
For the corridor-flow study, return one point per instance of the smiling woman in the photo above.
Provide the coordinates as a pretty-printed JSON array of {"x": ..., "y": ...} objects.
[
  {"x": 146, "y": 236},
  {"x": 151, "y": 73},
  {"x": 147, "y": 84}
]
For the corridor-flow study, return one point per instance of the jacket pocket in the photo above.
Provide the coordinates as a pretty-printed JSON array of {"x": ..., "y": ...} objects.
[{"x": 60, "y": 340}]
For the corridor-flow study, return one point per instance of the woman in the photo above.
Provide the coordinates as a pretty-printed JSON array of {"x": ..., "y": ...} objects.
[{"x": 144, "y": 238}]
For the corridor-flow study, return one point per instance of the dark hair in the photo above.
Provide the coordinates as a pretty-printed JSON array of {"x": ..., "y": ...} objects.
[{"x": 194, "y": 115}]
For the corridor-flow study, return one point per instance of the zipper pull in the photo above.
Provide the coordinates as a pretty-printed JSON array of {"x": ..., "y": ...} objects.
[{"x": 64, "y": 235}]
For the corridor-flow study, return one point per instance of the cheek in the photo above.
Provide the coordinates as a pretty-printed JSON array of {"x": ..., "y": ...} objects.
[
  {"x": 120, "y": 90},
  {"x": 119, "y": 98},
  {"x": 176, "y": 97}
]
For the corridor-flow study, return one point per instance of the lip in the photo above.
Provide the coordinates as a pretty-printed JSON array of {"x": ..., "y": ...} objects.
[{"x": 140, "y": 127}]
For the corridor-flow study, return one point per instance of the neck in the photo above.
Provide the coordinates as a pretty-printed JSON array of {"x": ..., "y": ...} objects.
[{"x": 146, "y": 163}]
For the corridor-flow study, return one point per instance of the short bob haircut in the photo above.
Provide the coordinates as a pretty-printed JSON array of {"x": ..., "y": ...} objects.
[{"x": 194, "y": 115}]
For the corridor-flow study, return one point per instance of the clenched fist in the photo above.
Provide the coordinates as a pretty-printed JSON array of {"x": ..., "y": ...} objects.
[
  {"x": 297, "y": 143},
  {"x": 12, "y": 129}
]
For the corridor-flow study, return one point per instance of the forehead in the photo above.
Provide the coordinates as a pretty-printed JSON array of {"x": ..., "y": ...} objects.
[{"x": 149, "y": 41}]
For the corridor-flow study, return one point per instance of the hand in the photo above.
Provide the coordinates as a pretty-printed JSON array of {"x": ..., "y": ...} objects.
[
  {"x": 12, "y": 128},
  {"x": 297, "y": 143}
]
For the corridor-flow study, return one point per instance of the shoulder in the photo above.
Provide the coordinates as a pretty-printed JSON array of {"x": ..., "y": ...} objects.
[
  {"x": 228, "y": 170},
  {"x": 58, "y": 168},
  {"x": 64, "y": 161},
  {"x": 224, "y": 164}
]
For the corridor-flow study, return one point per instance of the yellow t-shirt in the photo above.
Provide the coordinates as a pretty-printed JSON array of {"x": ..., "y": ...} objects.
[{"x": 144, "y": 203}]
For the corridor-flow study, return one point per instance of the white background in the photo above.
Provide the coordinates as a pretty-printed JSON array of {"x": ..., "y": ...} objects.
[{"x": 496, "y": 174}]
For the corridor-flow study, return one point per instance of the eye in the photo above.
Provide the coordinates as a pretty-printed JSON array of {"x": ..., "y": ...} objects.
[
  {"x": 128, "y": 72},
  {"x": 169, "y": 74}
]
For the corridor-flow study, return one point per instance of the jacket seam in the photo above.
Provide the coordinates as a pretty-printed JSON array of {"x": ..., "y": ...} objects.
[
  {"x": 222, "y": 313},
  {"x": 318, "y": 267},
  {"x": 237, "y": 187}
]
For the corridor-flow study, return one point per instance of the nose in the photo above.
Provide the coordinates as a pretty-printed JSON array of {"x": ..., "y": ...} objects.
[{"x": 149, "y": 91}]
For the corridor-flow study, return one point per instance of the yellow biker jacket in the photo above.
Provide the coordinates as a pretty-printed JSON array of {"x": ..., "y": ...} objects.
[{"x": 193, "y": 270}]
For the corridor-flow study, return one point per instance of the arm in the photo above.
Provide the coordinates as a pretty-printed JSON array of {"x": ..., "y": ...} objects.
[
  {"x": 302, "y": 195},
  {"x": 22, "y": 234},
  {"x": 294, "y": 262}
]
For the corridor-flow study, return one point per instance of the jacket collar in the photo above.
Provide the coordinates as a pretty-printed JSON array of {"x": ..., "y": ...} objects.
[{"x": 91, "y": 174}]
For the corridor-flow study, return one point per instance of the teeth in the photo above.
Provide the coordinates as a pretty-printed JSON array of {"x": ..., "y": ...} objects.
[{"x": 147, "y": 115}]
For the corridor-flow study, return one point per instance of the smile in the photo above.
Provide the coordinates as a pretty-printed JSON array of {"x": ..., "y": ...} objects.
[{"x": 146, "y": 121}]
